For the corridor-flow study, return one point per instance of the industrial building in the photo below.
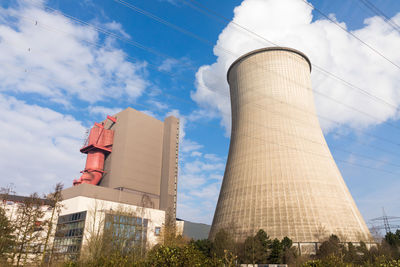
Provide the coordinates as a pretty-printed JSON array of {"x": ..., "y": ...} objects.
[
  {"x": 86, "y": 218},
  {"x": 127, "y": 189},
  {"x": 129, "y": 182},
  {"x": 132, "y": 156},
  {"x": 280, "y": 175}
]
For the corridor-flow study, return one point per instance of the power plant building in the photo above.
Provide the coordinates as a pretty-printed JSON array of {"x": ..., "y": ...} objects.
[
  {"x": 128, "y": 186},
  {"x": 280, "y": 175},
  {"x": 132, "y": 158}
]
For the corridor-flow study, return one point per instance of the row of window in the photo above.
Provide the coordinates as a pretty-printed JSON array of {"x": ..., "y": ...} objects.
[
  {"x": 67, "y": 226},
  {"x": 70, "y": 229},
  {"x": 69, "y": 232},
  {"x": 123, "y": 219},
  {"x": 68, "y": 241},
  {"x": 130, "y": 228},
  {"x": 72, "y": 217}
]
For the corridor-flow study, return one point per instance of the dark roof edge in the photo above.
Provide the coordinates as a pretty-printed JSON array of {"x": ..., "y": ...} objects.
[
  {"x": 273, "y": 48},
  {"x": 17, "y": 198}
]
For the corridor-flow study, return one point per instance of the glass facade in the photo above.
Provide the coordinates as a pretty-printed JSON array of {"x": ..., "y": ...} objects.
[
  {"x": 127, "y": 230},
  {"x": 69, "y": 234}
]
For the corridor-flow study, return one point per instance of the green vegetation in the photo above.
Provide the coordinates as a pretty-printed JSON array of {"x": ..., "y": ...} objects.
[
  {"x": 256, "y": 249},
  {"x": 333, "y": 253},
  {"x": 25, "y": 241},
  {"x": 176, "y": 251},
  {"x": 7, "y": 238}
]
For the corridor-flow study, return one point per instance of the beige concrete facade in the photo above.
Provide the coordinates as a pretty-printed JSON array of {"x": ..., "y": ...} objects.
[
  {"x": 108, "y": 194},
  {"x": 144, "y": 160},
  {"x": 97, "y": 208},
  {"x": 280, "y": 175}
]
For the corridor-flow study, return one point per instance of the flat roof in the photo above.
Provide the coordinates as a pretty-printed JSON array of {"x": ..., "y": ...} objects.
[{"x": 266, "y": 49}]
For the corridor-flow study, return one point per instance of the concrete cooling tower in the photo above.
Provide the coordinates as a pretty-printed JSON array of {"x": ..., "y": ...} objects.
[{"x": 280, "y": 175}]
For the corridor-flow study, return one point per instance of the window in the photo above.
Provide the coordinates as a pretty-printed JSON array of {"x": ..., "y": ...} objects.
[
  {"x": 157, "y": 231},
  {"x": 130, "y": 230},
  {"x": 69, "y": 234}
]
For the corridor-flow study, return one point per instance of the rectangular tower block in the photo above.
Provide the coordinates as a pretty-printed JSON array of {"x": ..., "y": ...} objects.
[{"x": 144, "y": 159}]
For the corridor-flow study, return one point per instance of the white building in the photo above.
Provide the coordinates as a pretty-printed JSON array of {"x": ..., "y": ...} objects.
[{"x": 89, "y": 211}]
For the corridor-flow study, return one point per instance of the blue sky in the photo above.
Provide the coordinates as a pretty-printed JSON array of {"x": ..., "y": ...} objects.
[{"x": 59, "y": 75}]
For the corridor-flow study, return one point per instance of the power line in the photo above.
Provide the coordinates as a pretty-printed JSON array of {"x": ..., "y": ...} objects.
[
  {"x": 313, "y": 126},
  {"x": 171, "y": 25},
  {"x": 343, "y": 135},
  {"x": 317, "y": 154},
  {"x": 152, "y": 16},
  {"x": 293, "y": 148},
  {"x": 101, "y": 30},
  {"x": 47, "y": 27},
  {"x": 379, "y": 12},
  {"x": 203, "y": 9},
  {"x": 296, "y": 149},
  {"x": 386, "y": 140},
  {"x": 309, "y": 140},
  {"x": 123, "y": 39},
  {"x": 352, "y": 34},
  {"x": 111, "y": 34},
  {"x": 322, "y": 144},
  {"x": 364, "y": 156}
]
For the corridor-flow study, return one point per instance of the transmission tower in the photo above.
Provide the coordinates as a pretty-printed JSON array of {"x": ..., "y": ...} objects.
[{"x": 385, "y": 219}]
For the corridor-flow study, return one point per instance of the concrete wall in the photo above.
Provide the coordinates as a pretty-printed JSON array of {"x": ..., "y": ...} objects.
[
  {"x": 96, "y": 210},
  {"x": 143, "y": 161},
  {"x": 135, "y": 161},
  {"x": 169, "y": 170},
  {"x": 109, "y": 194}
]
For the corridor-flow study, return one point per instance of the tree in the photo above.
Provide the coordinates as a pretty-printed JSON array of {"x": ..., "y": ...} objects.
[
  {"x": 276, "y": 254},
  {"x": 54, "y": 199},
  {"x": 113, "y": 238},
  {"x": 393, "y": 239},
  {"x": 176, "y": 256},
  {"x": 350, "y": 254},
  {"x": 329, "y": 247},
  {"x": 28, "y": 226},
  {"x": 223, "y": 242},
  {"x": 256, "y": 248},
  {"x": 289, "y": 252},
  {"x": 169, "y": 236},
  {"x": 204, "y": 246},
  {"x": 7, "y": 238}
]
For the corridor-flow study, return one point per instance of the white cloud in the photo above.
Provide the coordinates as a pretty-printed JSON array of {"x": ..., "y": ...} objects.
[
  {"x": 157, "y": 104},
  {"x": 209, "y": 192},
  {"x": 198, "y": 205},
  {"x": 200, "y": 176},
  {"x": 176, "y": 66},
  {"x": 116, "y": 27},
  {"x": 49, "y": 55},
  {"x": 168, "y": 64},
  {"x": 199, "y": 167},
  {"x": 196, "y": 154},
  {"x": 185, "y": 145},
  {"x": 199, "y": 181},
  {"x": 38, "y": 147},
  {"x": 103, "y": 111},
  {"x": 172, "y": 2},
  {"x": 289, "y": 23},
  {"x": 212, "y": 157}
]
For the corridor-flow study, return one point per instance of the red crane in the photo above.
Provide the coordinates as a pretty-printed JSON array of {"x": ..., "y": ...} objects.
[{"x": 98, "y": 145}]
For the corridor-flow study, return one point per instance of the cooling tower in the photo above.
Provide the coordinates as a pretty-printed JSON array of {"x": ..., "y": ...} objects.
[{"x": 280, "y": 175}]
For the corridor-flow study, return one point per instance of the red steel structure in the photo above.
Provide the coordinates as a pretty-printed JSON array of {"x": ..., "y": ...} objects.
[{"x": 98, "y": 145}]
